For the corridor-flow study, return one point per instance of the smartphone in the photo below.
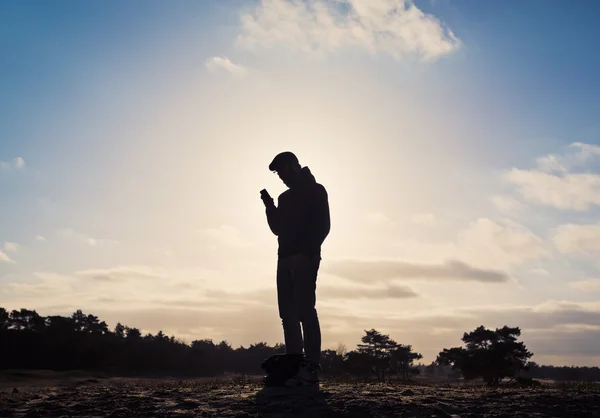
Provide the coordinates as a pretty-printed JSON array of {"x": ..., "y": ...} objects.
[
  {"x": 266, "y": 198},
  {"x": 264, "y": 194}
]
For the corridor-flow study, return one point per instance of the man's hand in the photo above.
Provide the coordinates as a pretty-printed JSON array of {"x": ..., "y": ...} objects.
[
  {"x": 273, "y": 218},
  {"x": 267, "y": 199}
]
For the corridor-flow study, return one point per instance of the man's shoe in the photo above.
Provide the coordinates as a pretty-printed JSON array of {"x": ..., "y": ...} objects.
[
  {"x": 307, "y": 375},
  {"x": 280, "y": 367}
]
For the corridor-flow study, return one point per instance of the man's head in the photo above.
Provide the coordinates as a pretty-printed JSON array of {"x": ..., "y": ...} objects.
[{"x": 287, "y": 166}]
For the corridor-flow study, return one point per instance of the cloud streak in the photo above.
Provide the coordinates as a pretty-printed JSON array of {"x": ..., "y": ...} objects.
[
  {"x": 249, "y": 316},
  {"x": 552, "y": 328},
  {"x": 586, "y": 285},
  {"x": 368, "y": 271},
  {"x": 369, "y": 293},
  {"x": 268, "y": 296},
  {"x": 121, "y": 274},
  {"x": 396, "y": 28}
]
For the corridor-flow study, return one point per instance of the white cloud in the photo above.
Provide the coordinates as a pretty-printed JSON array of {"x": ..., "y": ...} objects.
[
  {"x": 377, "y": 219},
  {"x": 587, "y": 285},
  {"x": 16, "y": 164},
  {"x": 540, "y": 272},
  {"x": 5, "y": 259},
  {"x": 551, "y": 163},
  {"x": 226, "y": 235},
  {"x": 11, "y": 247},
  {"x": 500, "y": 244},
  {"x": 427, "y": 219},
  {"x": 215, "y": 64},
  {"x": 40, "y": 238},
  {"x": 586, "y": 151},
  {"x": 485, "y": 243},
  {"x": 318, "y": 27},
  {"x": 564, "y": 181},
  {"x": 508, "y": 204},
  {"x": 46, "y": 285},
  {"x": 563, "y": 163},
  {"x": 569, "y": 191},
  {"x": 71, "y": 234},
  {"x": 571, "y": 238}
]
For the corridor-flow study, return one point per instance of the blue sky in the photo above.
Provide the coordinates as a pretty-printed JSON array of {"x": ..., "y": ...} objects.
[{"x": 135, "y": 137}]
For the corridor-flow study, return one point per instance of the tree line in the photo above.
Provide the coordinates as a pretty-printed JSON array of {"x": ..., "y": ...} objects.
[{"x": 84, "y": 342}]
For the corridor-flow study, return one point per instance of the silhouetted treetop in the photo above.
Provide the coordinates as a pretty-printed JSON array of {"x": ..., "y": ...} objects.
[{"x": 490, "y": 355}]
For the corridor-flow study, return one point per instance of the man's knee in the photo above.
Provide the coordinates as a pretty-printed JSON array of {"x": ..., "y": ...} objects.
[
  {"x": 308, "y": 314},
  {"x": 286, "y": 314}
]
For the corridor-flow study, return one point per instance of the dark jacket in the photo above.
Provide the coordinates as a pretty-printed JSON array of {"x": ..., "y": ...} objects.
[{"x": 301, "y": 218}]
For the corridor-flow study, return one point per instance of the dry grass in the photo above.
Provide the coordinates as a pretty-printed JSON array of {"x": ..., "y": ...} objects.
[{"x": 74, "y": 394}]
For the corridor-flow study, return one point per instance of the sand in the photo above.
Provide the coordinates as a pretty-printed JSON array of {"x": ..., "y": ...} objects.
[{"x": 78, "y": 396}]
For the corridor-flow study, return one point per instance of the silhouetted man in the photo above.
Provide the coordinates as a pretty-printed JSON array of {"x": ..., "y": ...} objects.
[{"x": 301, "y": 223}]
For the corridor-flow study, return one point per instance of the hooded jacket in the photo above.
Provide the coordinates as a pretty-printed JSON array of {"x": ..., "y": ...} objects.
[{"x": 301, "y": 218}]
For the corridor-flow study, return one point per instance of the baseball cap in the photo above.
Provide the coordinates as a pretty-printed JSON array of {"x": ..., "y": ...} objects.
[{"x": 282, "y": 159}]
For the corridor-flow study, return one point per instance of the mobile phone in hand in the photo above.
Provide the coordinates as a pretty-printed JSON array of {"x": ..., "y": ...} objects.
[{"x": 266, "y": 197}]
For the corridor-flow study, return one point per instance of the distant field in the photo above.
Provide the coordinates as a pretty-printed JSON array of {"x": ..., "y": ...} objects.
[{"x": 76, "y": 393}]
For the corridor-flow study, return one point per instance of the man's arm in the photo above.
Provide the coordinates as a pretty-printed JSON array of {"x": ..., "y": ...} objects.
[{"x": 273, "y": 218}]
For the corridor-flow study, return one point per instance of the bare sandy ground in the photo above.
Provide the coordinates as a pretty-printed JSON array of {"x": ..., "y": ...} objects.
[{"x": 77, "y": 396}]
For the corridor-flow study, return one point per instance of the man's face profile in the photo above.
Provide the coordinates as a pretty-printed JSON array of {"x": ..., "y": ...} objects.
[{"x": 285, "y": 173}]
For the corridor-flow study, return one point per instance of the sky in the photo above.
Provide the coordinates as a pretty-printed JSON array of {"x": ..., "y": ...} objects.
[{"x": 459, "y": 142}]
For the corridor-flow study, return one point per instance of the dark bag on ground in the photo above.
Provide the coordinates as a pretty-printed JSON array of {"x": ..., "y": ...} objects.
[{"x": 280, "y": 367}]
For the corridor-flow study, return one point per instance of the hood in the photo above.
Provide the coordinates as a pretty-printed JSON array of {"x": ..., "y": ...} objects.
[{"x": 305, "y": 178}]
